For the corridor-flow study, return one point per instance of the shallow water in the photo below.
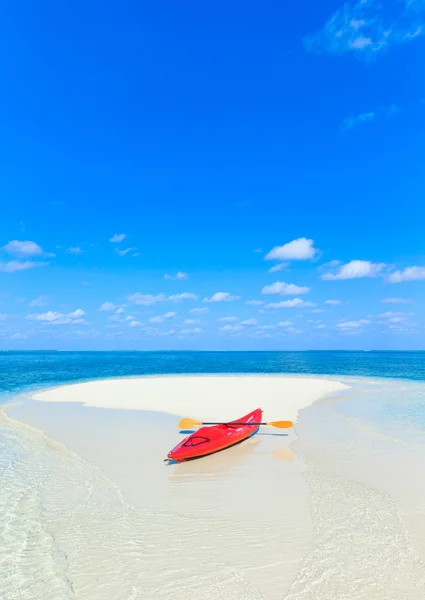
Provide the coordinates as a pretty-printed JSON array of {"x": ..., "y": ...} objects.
[
  {"x": 366, "y": 465},
  {"x": 68, "y": 532},
  {"x": 179, "y": 532}
]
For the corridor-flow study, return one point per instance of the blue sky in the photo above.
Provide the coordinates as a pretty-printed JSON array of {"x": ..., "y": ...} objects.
[{"x": 164, "y": 165}]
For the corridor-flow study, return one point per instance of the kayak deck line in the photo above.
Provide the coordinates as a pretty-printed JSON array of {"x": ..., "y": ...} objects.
[
  {"x": 210, "y": 439},
  {"x": 173, "y": 461}
]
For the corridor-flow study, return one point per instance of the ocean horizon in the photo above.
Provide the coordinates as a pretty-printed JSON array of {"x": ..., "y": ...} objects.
[{"x": 20, "y": 370}]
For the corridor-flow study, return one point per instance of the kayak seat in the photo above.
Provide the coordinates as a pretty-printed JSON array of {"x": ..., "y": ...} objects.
[{"x": 196, "y": 440}]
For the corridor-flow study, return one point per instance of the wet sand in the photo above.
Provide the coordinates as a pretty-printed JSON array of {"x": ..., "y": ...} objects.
[{"x": 232, "y": 525}]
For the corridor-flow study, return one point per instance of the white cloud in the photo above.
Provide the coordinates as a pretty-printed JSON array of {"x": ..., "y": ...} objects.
[
  {"x": 190, "y": 331},
  {"x": 155, "y": 332},
  {"x": 107, "y": 306},
  {"x": 157, "y": 319},
  {"x": 183, "y": 296},
  {"x": 18, "y": 336},
  {"x": 74, "y": 250},
  {"x": 255, "y": 302},
  {"x": 408, "y": 274},
  {"x": 118, "y": 319},
  {"x": 299, "y": 249},
  {"x": 24, "y": 249},
  {"x": 284, "y": 289},
  {"x": 15, "y": 265},
  {"x": 318, "y": 310},
  {"x": 40, "y": 301},
  {"x": 278, "y": 267},
  {"x": 294, "y": 303},
  {"x": 293, "y": 330},
  {"x": 264, "y": 334},
  {"x": 258, "y": 250},
  {"x": 119, "y": 311},
  {"x": 330, "y": 264},
  {"x": 178, "y": 275},
  {"x": 79, "y": 333},
  {"x": 321, "y": 326},
  {"x": 135, "y": 323},
  {"x": 352, "y": 324},
  {"x": 162, "y": 318},
  {"x": 396, "y": 301},
  {"x": 355, "y": 120},
  {"x": 124, "y": 251},
  {"x": 118, "y": 237},
  {"x": 363, "y": 118},
  {"x": 191, "y": 321},
  {"x": 354, "y": 270},
  {"x": 366, "y": 28},
  {"x": 56, "y": 318},
  {"x": 146, "y": 299},
  {"x": 391, "y": 110},
  {"x": 76, "y": 314},
  {"x": 227, "y": 319},
  {"x": 397, "y": 320},
  {"x": 231, "y": 328},
  {"x": 395, "y": 317},
  {"x": 285, "y": 324},
  {"x": 249, "y": 322},
  {"x": 333, "y": 302},
  {"x": 198, "y": 311},
  {"x": 265, "y": 327},
  {"x": 173, "y": 331},
  {"x": 221, "y": 297}
]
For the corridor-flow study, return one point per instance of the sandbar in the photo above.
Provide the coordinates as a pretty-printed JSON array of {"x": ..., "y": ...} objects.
[{"x": 232, "y": 525}]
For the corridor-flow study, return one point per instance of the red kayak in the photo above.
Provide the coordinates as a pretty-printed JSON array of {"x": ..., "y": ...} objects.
[{"x": 207, "y": 440}]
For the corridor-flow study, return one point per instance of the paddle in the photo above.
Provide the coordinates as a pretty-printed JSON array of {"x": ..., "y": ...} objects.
[{"x": 189, "y": 423}]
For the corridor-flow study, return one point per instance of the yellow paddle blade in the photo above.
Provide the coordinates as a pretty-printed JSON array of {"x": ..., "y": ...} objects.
[
  {"x": 281, "y": 424},
  {"x": 189, "y": 423}
]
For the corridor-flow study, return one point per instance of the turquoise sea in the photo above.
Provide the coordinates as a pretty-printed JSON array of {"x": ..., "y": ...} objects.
[
  {"x": 26, "y": 371},
  {"x": 380, "y": 425},
  {"x": 23, "y": 370}
]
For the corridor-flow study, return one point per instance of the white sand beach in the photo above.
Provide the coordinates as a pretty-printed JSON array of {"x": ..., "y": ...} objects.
[
  {"x": 205, "y": 397},
  {"x": 324, "y": 510},
  {"x": 231, "y": 525}
]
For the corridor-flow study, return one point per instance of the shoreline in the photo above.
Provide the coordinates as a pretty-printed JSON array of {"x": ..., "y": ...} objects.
[
  {"x": 239, "y": 518},
  {"x": 177, "y": 394},
  {"x": 23, "y": 394},
  {"x": 366, "y": 491},
  {"x": 256, "y": 520}
]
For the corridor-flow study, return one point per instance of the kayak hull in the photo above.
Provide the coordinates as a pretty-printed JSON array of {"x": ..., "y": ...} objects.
[{"x": 208, "y": 440}]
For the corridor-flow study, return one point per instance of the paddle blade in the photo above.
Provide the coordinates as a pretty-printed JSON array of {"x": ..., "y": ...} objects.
[
  {"x": 189, "y": 423},
  {"x": 281, "y": 424}
]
